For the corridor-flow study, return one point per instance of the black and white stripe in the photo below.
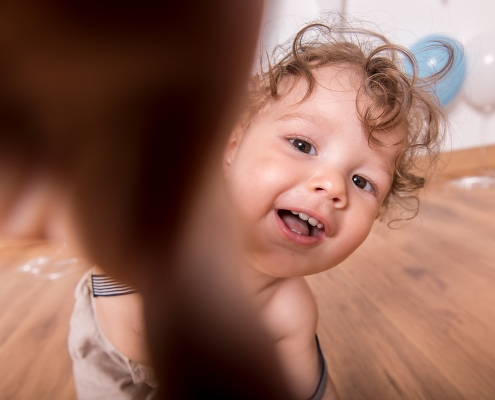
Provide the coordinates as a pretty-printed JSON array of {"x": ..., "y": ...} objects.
[{"x": 105, "y": 285}]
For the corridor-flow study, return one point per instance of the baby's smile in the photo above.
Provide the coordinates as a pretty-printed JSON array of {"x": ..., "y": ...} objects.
[
  {"x": 301, "y": 223},
  {"x": 305, "y": 180}
]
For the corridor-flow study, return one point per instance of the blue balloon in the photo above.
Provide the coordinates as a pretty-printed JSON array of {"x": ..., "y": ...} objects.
[{"x": 432, "y": 57}]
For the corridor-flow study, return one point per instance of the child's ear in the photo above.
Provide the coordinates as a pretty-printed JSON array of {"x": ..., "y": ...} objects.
[{"x": 231, "y": 148}]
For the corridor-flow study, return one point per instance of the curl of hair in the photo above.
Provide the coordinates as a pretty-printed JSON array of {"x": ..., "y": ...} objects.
[{"x": 394, "y": 98}]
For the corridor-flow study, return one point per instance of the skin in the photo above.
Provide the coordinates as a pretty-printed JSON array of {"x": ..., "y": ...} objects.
[
  {"x": 91, "y": 94},
  {"x": 307, "y": 157},
  {"x": 121, "y": 319}
]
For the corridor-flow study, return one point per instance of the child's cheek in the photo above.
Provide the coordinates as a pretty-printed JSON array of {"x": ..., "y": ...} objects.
[
  {"x": 361, "y": 228},
  {"x": 241, "y": 193}
]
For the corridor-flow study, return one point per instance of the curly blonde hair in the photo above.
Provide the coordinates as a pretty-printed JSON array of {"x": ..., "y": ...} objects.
[{"x": 396, "y": 98}]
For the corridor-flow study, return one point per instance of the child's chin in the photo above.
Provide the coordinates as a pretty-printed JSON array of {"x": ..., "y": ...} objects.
[{"x": 292, "y": 269}]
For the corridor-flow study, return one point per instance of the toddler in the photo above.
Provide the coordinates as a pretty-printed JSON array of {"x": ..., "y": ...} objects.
[{"x": 333, "y": 133}]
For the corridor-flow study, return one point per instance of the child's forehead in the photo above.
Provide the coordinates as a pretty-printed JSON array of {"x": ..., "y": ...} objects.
[
  {"x": 333, "y": 97},
  {"x": 336, "y": 78},
  {"x": 335, "y": 100}
]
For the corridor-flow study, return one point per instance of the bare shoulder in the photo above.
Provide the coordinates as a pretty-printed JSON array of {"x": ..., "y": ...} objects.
[
  {"x": 291, "y": 315},
  {"x": 292, "y": 311}
]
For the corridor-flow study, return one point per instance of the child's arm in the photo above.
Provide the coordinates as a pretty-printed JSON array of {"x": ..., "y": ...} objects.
[
  {"x": 293, "y": 316},
  {"x": 121, "y": 320},
  {"x": 330, "y": 392}
]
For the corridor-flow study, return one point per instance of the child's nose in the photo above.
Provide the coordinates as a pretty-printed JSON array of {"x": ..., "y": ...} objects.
[{"x": 334, "y": 186}]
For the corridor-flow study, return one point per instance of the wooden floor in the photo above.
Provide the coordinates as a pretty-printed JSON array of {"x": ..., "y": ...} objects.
[
  {"x": 34, "y": 324},
  {"x": 410, "y": 315}
]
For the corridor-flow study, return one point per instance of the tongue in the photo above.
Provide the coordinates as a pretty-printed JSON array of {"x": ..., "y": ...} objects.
[{"x": 295, "y": 223}]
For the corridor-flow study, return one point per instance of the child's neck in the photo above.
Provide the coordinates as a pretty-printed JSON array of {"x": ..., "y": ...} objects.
[{"x": 256, "y": 281}]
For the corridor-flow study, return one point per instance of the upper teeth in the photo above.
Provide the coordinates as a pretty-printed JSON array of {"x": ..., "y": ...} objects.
[{"x": 305, "y": 217}]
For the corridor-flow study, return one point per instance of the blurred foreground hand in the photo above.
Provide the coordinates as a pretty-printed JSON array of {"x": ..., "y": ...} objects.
[{"x": 113, "y": 116}]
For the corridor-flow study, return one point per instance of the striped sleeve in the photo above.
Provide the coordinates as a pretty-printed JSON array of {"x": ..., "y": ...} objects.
[{"x": 105, "y": 285}]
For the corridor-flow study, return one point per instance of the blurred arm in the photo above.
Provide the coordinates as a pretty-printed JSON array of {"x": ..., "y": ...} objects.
[{"x": 127, "y": 107}]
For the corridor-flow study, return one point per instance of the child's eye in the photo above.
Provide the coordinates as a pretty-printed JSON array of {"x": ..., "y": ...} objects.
[
  {"x": 303, "y": 146},
  {"x": 362, "y": 183}
]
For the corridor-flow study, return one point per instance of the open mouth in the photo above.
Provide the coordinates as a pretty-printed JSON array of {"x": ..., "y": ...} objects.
[{"x": 301, "y": 223}]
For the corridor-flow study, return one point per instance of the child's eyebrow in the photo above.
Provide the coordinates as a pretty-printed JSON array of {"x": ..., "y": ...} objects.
[
  {"x": 300, "y": 117},
  {"x": 384, "y": 168},
  {"x": 387, "y": 171}
]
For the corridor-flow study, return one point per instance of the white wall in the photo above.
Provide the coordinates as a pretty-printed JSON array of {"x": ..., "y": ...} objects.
[
  {"x": 405, "y": 22},
  {"x": 283, "y": 18}
]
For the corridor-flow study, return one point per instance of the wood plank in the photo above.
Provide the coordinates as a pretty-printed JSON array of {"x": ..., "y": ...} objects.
[
  {"x": 34, "y": 325},
  {"x": 357, "y": 338},
  {"x": 429, "y": 320},
  {"x": 466, "y": 162}
]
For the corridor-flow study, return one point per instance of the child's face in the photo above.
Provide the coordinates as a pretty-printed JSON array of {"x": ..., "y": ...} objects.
[{"x": 311, "y": 159}]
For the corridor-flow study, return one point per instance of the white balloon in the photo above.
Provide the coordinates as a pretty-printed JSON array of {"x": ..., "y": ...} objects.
[{"x": 480, "y": 85}]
